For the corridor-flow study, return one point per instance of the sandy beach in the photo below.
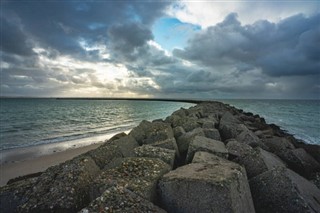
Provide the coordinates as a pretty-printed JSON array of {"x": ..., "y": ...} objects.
[{"x": 24, "y": 163}]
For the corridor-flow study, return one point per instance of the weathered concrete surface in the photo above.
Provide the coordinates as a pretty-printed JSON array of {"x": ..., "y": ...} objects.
[
  {"x": 13, "y": 195},
  {"x": 201, "y": 187},
  {"x": 259, "y": 161},
  {"x": 248, "y": 137},
  {"x": 308, "y": 165},
  {"x": 168, "y": 144},
  {"x": 228, "y": 126},
  {"x": 166, "y": 155},
  {"x": 206, "y": 157},
  {"x": 116, "y": 148},
  {"x": 121, "y": 200},
  {"x": 62, "y": 188},
  {"x": 297, "y": 159},
  {"x": 126, "y": 145},
  {"x": 178, "y": 131},
  {"x": 200, "y": 143},
  {"x": 187, "y": 123},
  {"x": 150, "y": 132},
  {"x": 282, "y": 190},
  {"x": 236, "y": 149},
  {"x": 212, "y": 133},
  {"x": 137, "y": 174},
  {"x": 184, "y": 140}
]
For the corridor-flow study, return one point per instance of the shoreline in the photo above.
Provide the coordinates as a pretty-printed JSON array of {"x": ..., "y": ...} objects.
[
  {"x": 37, "y": 164},
  {"x": 185, "y": 160},
  {"x": 23, "y": 161}
]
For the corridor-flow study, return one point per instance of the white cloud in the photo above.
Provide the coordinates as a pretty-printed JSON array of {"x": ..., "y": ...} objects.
[{"x": 209, "y": 13}]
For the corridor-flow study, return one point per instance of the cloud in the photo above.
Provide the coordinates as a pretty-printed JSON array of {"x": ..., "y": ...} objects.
[
  {"x": 60, "y": 24},
  {"x": 13, "y": 39},
  {"x": 209, "y": 13},
  {"x": 289, "y": 47},
  {"x": 127, "y": 39},
  {"x": 110, "y": 48}
]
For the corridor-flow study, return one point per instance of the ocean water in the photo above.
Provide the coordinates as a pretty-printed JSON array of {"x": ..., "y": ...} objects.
[
  {"x": 300, "y": 118},
  {"x": 29, "y": 122}
]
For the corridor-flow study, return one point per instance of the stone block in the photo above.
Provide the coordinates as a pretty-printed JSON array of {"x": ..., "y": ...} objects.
[
  {"x": 259, "y": 161},
  {"x": 168, "y": 144},
  {"x": 212, "y": 133},
  {"x": 120, "y": 200},
  {"x": 200, "y": 143},
  {"x": 138, "y": 174},
  {"x": 167, "y": 155},
  {"x": 62, "y": 188},
  {"x": 178, "y": 131},
  {"x": 236, "y": 149},
  {"x": 282, "y": 190},
  {"x": 201, "y": 187},
  {"x": 184, "y": 140},
  {"x": 206, "y": 157},
  {"x": 150, "y": 132}
]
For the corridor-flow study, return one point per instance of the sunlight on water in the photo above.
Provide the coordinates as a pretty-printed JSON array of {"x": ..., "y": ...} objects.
[{"x": 26, "y": 122}]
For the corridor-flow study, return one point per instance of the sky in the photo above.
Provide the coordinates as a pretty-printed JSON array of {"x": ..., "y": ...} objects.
[{"x": 161, "y": 49}]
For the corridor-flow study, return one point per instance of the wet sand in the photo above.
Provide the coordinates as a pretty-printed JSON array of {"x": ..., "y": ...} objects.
[{"x": 14, "y": 166}]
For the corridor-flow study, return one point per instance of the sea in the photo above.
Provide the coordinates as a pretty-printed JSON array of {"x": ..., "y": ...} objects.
[{"x": 33, "y": 122}]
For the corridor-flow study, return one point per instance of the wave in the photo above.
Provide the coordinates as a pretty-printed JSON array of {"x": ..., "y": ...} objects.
[{"x": 73, "y": 137}]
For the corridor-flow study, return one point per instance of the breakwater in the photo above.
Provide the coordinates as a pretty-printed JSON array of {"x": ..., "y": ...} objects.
[{"x": 208, "y": 158}]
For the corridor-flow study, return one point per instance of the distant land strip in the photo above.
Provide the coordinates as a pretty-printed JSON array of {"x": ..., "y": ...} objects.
[{"x": 137, "y": 99}]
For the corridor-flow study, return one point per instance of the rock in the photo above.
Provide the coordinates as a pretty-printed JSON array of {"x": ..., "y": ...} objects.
[
  {"x": 181, "y": 112},
  {"x": 212, "y": 133},
  {"x": 139, "y": 132},
  {"x": 126, "y": 145},
  {"x": 316, "y": 179},
  {"x": 62, "y": 188},
  {"x": 137, "y": 174},
  {"x": 117, "y": 136},
  {"x": 121, "y": 200},
  {"x": 206, "y": 157},
  {"x": 303, "y": 163},
  {"x": 200, "y": 143},
  {"x": 236, "y": 149},
  {"x": 147, "y": 132},
  {"x": 184, "y": 140},
  {"x": 166, "y": 155},
  {"x": 13, "y": 195},
  {"x": 202, "y": 187},
  {"x": 297, "y": 159},
  {"x": 259, "y": 161},
  {"x": 24, "y": 177},
  {"x": 104, "y": 154},
  {"x": 282, "y": 190},
  {"x": 209, "y": 124},
  {"x": 228, "y": 126},
  {"x": 195, "y": 112},
  {"x": 248, "y": 137},
  {"x": 311, "y": 149},
  {"x": 168, "y": 144},
  {"x": 178, "y": 131},
  {"x": 187, "y": 123},
  {"x": 278, "y": 145}
]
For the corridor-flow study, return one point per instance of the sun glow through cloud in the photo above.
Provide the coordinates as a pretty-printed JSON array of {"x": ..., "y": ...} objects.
[{"x": 183, "y": 49}]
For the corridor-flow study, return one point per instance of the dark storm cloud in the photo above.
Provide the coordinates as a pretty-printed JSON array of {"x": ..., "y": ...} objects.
[
  {"x": 13, "y": 39},
  {"x": 127, "y": 39},
  {"x": 290, "y": 47},
  {"x": 60, "y": 24},
  {"x": 32, "y": 30}
]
